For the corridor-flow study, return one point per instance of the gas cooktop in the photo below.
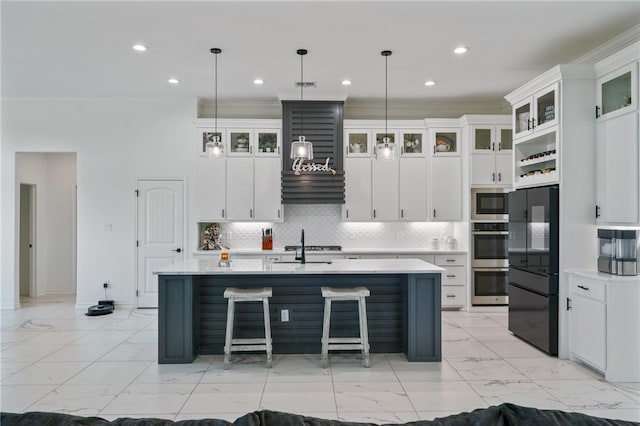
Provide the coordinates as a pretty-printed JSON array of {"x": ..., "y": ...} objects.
[{"x": 313, "y": 248}]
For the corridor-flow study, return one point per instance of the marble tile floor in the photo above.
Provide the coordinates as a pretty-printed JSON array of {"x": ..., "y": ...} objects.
[{"x": 54, "y": 358}]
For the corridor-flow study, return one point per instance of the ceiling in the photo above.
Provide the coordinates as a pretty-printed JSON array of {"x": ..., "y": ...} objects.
[{"x": 83, "y": 48}]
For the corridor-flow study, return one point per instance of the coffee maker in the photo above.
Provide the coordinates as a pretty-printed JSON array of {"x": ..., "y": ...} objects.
[{"x": 618, "y": 251}]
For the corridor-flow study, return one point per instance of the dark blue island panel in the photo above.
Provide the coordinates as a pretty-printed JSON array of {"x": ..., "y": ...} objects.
[{"x": 403, "y": 313}]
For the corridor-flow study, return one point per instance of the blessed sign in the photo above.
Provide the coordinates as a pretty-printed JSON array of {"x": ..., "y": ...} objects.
[{"x": 299, "y": 166}]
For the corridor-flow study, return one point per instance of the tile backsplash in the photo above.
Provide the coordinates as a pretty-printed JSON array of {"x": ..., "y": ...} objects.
[{"x": 323, "y": 225}]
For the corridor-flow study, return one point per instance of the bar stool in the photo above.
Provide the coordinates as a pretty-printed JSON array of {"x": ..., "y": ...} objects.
[
  {"x": 235, "y": 345},
  {"x": 345, "y": 343}
]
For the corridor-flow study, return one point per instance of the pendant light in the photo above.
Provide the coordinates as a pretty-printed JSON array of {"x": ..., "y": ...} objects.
[
  {"x": 301, "y": 149},
  {"x": 215, "y": 147},
  {"x": 385, "y": 150}
]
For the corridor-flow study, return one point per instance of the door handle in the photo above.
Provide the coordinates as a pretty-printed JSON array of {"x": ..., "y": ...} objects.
[
  {"x": 597, "y": 111},
  {"x": 499, "y": 177},
  {"x": 177, "y": 250},
  {"x": 493, "y": 177}
]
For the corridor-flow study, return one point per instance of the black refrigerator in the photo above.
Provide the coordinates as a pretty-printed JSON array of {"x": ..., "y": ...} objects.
[{"x": 533, "y": 266}]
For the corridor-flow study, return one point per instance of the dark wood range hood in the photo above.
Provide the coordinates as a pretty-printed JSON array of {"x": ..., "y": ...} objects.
[{"x": 321, "y": 123}]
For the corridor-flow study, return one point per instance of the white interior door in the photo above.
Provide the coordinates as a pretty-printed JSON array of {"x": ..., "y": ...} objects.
[{"x": 160, "y": 239}]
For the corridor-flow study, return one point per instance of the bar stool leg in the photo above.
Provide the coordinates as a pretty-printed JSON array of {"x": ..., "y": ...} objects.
[
  {"x": 229, "y": 334},
  {"x": 267, "y": 330},
  {"x": 364, "y": 330},
  {"x": 324, "y": 360}
]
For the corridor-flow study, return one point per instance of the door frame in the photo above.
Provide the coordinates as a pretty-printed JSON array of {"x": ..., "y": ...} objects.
[
  {"x": 135, "y": 227},
  {"x": 33, "y": 282}
]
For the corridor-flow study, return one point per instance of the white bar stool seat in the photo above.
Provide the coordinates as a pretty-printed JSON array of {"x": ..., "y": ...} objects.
[
  {"x": 254, "y": 344},
  {"x": 345, "y": 343}
]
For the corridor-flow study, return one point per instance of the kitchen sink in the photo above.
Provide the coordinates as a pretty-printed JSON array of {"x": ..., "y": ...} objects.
[{"x": 327, "y": 262}]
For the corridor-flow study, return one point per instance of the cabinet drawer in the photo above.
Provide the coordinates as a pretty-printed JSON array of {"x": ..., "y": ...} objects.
[
  {"x": 454, "y": 295},
  {"x": 451, "y": 259},
  {"x": 454, "y": 275},
  {"x": 586, "y": 287}
]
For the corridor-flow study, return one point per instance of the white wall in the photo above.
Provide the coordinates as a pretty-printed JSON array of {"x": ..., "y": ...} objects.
[{"x": 116, "y": 141}]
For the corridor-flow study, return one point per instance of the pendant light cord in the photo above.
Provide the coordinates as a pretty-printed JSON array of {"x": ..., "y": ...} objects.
[
  {"x": 301, "y": 96},
  {"x": 386, "y": 54},
  {"x": 216, "y": 94}
]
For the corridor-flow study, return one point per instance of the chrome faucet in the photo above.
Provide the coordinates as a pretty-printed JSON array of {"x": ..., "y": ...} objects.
[{"x": 301, "y": 257}]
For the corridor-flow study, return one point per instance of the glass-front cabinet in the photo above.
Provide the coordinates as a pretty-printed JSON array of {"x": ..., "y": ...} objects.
[
  {"x": 412, "y": 143},
  {"x": 490, "y": 138},
  {"x": 240, "y": 142},
  {"x": 446, "y": 142},
  {"x": 536, "y": 113},
  {"x": 616, "y": 90},
  {"x": 378, "y": 140},
  {"x": 357, "y": 143},
  {"x": 267, "y": 143}
]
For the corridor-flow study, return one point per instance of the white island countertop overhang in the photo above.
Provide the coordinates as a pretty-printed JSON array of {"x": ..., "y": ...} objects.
[{"x": 335, "y": 266}]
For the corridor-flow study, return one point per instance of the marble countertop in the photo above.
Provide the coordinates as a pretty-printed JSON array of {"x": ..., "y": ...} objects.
[
  {"x": 605, "y": 277},
  {"x": 345, "y": 251},
  {"x": 337, "y": 266}
]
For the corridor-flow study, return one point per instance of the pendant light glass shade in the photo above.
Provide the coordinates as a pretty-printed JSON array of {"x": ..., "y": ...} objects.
[
  {"x": 215, "y": 147},
  {"x": 301, "y": 149},
  {"x": 387, "y": 149}
]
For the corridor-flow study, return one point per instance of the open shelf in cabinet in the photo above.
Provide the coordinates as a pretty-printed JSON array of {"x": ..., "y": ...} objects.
[{"x": 536, "y": 160}]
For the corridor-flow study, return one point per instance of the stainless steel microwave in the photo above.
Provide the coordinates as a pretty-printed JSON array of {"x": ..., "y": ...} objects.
[{"x": 489, "y": 204}]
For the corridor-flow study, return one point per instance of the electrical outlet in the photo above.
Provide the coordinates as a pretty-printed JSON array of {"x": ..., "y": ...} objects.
[{"x": 284, "y": 315}]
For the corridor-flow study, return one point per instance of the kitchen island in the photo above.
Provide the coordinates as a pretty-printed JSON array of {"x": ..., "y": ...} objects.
[{"x": 403, "y": 310}]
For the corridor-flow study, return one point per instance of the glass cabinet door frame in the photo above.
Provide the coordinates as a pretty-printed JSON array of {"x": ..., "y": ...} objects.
[
  {"x": 500, "y": 145},
  {"x": 492, "y": 138},
  {"x": 404, "y": 149},
  {"x": 537, "y": 126},
  {"x": 395, "y": 138},
  {"x": 455, "y": 151},
  {"x": 202, "y": 131},
  {"x": 631, "y": 68},
  {"x": 232, "y": 147},
  {"x": 352, "y": 149},
  {"x": 274, "y": 151},
  {"x": 523, "y": 124}
]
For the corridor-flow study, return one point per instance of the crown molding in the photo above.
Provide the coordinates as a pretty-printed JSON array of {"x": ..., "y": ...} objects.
[{"x": 619, "y": 42}]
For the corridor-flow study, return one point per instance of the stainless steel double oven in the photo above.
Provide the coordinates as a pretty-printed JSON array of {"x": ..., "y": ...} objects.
[{"x": 489, "y": 247}]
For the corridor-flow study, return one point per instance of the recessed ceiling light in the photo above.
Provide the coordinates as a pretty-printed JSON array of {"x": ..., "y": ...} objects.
[
  {"x": 173, "y": 81},
  {"x": 139, "y": 47},
  {"x": 429, "y": 83},
  {"x": 346, "y": 82},
  {"x": 460, "y": 50},
  {"x": 258, "y": 81}
]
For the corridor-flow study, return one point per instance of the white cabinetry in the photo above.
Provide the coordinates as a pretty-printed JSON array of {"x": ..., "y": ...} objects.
[
  {"x": 267, "y": 179},
  {"x": 605, "y": 323},
  {"x": 588, "y": 321},
  {"x": 536, "y": 112},
  {"x": 210, "y": 193},
  {"x": 385, "y": 189},
  {"x": 491, "y": 150},
  {"x": 446, "y": 189},
  {"x": 454, "y": 280},
  {"x": 413, "y": 189},
  {"x": 357, "y": 177},
  {"x": 240, "y": 188},
  {"x": 244, "y": 184},
  {"x": 617, "y": 139},
  {"x": 384, "y": 194}
]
